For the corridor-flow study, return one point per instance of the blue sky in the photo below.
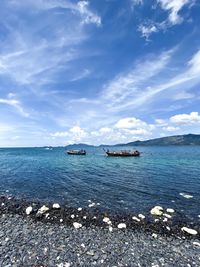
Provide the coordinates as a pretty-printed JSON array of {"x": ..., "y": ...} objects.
[{"x": 106, "y": 71}]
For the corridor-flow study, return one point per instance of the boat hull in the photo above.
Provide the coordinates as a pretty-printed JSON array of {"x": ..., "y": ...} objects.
[
  {"x": 121, "y": 154},
  {"x": 76, "y": 153}
]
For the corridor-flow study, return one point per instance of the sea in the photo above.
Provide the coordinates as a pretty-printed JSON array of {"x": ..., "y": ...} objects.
[{"x": 168, "y": 176}]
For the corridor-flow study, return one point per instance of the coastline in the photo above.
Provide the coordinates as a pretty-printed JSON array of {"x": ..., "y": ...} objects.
[{"x": 95, "y": 216}]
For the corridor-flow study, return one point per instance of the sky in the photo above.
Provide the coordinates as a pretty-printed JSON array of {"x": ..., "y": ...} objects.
[{"x": 98, "y": 71}]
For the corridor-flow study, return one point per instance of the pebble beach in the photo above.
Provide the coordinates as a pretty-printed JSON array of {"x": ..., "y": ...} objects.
[{"x": 33, "y": 234}]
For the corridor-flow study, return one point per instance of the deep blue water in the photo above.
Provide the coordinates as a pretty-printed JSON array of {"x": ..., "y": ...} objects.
[{"x": 133, "y": 184}]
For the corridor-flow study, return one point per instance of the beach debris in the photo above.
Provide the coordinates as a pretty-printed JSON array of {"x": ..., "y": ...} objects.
[
  {"x": 168, "y": 228},
  {"x": 2, "y": 204},
  {"x": 186, "y": 195},
  {"x": 157, "y": 210},
  {"x": 165, "y": 220},
  {"x": 197, "y": 244},
  {"x": 98, "y": 204},
  {"x": 47, "y": 215},
  {"x": 121, "y": 225},
  {"x": 91, "y": 205},
  {"x": 167, "y": 215},
  {"x": 199, "y": 216},
  {"x": 72, "y": 216},
  {"x": 170, "y": 210},
  {"x": 77, "y": 225},
  {"x": 84, "y": 217},
  {"x": 189, "y": 230},
  {"x": 141, "y": 216},
  {"x": 94, "y": 217},
  {"x": 156, "y": 220},
  {"x": 56, "y": 206},
  {"x": 79, "y": 209},
  {"x": 136, "y": 219},
  {"x": 42, "y": 210},
  {"x": 154, "y": 235},
  {"x": 83, "y": 245},
  {"x": 29, "y": 210},
  {"x": 61, "y": 220}
]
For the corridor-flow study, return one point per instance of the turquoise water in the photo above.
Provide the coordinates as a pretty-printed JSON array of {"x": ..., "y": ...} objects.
[{"x": 119, "y": 184}]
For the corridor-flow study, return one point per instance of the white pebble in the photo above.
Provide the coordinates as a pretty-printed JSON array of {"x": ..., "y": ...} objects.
[
  {"x": 83, "y": 245},
  {"x": 77, "y": 225},
  {"x": 106, "y": 219},
  {"x": 135, "y": 219},
  {"x": 72, "y": 216},
  {"x": 91, "y": 205},
  {"x": 197, "y": 244},
  {"x": 156, "y": 220},
  {"x": 170, "y": 210},
  {"x": 189, "y": 230},
  {"x": 154, "y": 235},
  {"x": 94, "y": 217},
  {"x": 2, "y": 204},
  {"x": 168, "y": 228},
  {"x": 165, "y": 220},
  {"x": 43, "y": 209},
  {"x": 61, "y": 220},
  {"x": 79, "y": 209},
  {"x": 157, "y": 210},
  {"x": 110, "y": 228},
  {"x": 167, "y": 215},
  {"x": 141, "y": 216},
  {"x": 56, "y": 206},
  {"x": 29, "y": 210},
  {"x": 121, "y": 225},
  {"x": 84, "y": 217}
]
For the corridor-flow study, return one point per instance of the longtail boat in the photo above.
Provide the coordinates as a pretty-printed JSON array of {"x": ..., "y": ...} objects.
[
  {"x": 123, "y": 153},
  {"x": 76, "y": 152}
]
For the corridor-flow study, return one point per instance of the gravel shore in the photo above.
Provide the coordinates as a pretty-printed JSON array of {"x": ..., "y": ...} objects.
[
  {"x": 28, "y": 243},
  {"x": 34, "y": 234}
]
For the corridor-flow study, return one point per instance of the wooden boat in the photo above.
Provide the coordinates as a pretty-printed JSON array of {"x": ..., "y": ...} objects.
[
  {"x": 76, "y": 152},
  {"x": 123, "y": 153}
]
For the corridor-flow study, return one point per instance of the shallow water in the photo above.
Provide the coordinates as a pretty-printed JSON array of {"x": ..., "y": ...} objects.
[{"x": 119, "y": 184}]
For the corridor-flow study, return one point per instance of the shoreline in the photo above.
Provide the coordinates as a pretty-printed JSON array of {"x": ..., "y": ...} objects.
[{"x": 95, "y": 216}]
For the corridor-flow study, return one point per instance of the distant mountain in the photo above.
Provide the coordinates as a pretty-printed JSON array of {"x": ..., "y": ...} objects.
[
  {"x": 182, "y": 140},
  {"x": 188, "y": 139}
]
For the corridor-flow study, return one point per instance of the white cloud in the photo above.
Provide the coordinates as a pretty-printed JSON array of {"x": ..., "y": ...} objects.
[
  {"x": 186, "y": 119},
  {"x": 183, "y": 95},
  {"x": 85, "y": 73},
  {"x": 60, "y": 134},
  {"x": 130, "y": 123},
  {"x": 173, "y": 6},
  {"x": 16, "y": 104},
  {"x": 136, "y": 3},
  {"x": 147, "y": 30},
  {"x": 125, "y": 87},
  {"x": 81, "y": 8},
  {"x": 171, "y": 129},
  {"x": 87, "y": 15}
]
